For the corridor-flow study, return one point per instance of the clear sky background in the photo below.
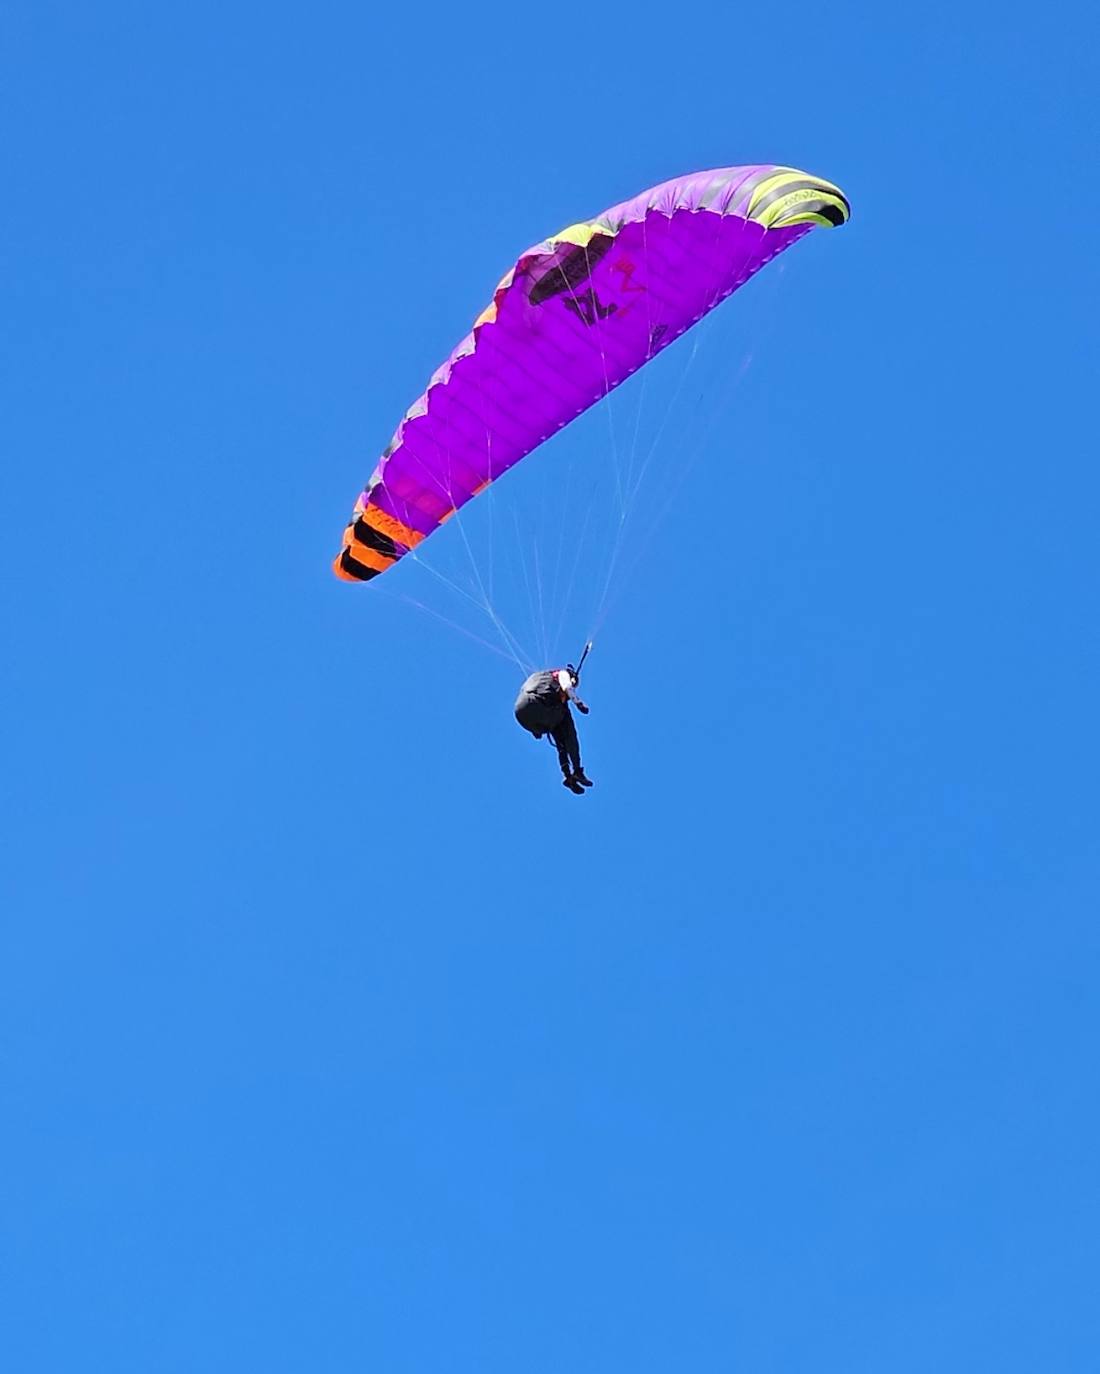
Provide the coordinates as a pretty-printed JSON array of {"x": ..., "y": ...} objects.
[{"x": 336, "y": 1034}]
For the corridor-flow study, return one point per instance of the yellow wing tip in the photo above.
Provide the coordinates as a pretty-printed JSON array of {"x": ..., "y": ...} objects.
[{"x": 787, "y": 197}]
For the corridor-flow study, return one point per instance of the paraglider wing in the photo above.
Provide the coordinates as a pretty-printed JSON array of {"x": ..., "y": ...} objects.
[{"x": 573, "y": 319}]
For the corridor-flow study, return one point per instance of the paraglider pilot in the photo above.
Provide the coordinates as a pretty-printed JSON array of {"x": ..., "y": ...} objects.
[{"x": 542, "y": 708}]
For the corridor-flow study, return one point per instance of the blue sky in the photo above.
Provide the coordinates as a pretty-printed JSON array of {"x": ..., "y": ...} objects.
[{"x": 336, "y": 1035}]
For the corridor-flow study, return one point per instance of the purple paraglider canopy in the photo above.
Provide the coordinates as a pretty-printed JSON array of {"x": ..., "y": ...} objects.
[{"x": 568, "y": 323}]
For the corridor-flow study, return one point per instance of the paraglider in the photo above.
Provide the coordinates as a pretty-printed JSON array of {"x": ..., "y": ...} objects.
[
  {"x": 542, "y": 708},
  {"x": 571, "y": 321}
]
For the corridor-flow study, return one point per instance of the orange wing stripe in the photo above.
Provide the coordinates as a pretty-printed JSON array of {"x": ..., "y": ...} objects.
[
  {"x": 370, "y": 558},
  {"x": 339, "y": 571},
  {"x": 386, "y": 524}
]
